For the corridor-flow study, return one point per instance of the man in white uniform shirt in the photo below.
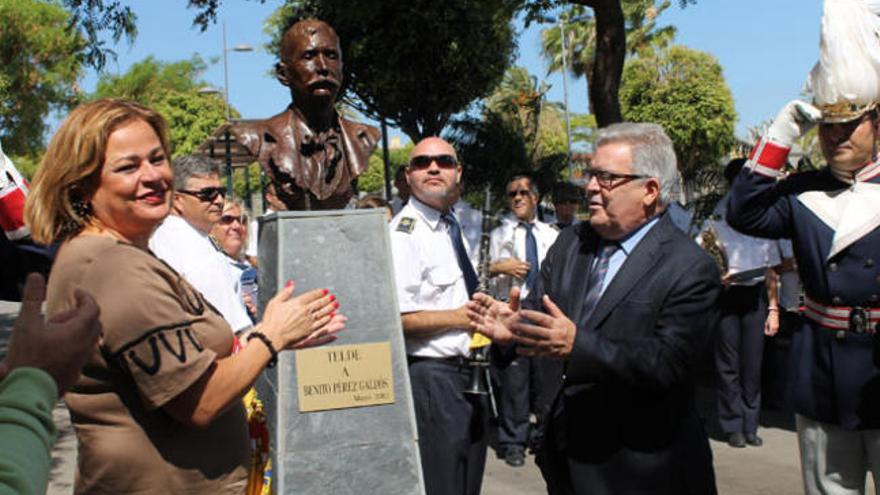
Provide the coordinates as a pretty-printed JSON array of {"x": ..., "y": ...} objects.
[
  {"x": 516, "y": 250},
  {"x": 182, "y": 240},
  {"x": 434, "y": 279}
]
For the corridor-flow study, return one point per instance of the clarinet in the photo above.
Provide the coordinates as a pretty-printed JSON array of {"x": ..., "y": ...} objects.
[{"x": 481, "y": 379}]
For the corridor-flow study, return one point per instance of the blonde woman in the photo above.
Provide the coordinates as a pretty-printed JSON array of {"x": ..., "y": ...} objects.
[
  {"x": 231, "y": 234},
  {"x": 158, "y": 406}
]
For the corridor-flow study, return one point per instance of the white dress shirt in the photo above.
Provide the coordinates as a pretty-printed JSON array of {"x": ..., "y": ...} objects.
[
  {"x": 427, "y": 276},
  {"x": 744, "y": 252},
  {"x": 192, "y": 254},
  {"x": 508, "y": 240}
]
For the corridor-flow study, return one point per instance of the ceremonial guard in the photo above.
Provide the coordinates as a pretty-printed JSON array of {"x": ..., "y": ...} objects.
[
  {"x": 832, "y": 216},
  {"x": 435, "y": 279}
]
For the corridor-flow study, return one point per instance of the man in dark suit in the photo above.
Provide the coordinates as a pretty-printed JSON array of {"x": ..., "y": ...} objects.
[{"x": 629, "y": 302}]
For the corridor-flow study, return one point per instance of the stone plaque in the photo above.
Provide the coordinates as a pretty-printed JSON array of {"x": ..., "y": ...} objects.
[
  {"x": 350, "y": 450},
  {"x": 344, "y": 376}
]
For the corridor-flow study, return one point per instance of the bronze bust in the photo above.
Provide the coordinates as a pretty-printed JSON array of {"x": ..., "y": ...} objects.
[{"x": 309, "y": 153}]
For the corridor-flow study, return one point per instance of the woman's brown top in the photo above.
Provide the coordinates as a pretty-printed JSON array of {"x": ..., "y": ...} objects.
[{"x": 159, "y": 337}]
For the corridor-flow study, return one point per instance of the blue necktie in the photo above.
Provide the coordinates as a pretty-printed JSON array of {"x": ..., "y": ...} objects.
[
  {"x": 461, "y": 255},
  {"x": 531, "y": 254},
  {"x": 597, "y": 277}
]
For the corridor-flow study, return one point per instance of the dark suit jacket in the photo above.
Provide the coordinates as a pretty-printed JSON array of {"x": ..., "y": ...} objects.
[{"x": 624, "y": 420}]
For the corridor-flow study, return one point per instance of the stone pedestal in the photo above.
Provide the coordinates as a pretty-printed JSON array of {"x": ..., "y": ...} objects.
[{"x": 359, "y": 450}]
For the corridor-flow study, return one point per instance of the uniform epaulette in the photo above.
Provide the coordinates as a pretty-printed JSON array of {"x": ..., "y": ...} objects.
[{"x": 406, "y": 225}]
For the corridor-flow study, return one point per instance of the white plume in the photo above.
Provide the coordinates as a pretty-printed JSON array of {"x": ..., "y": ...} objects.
[{"x": 849, "y": 59}]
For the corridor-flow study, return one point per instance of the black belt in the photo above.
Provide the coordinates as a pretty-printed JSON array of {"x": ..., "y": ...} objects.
[{"x": 457, "y": 361}]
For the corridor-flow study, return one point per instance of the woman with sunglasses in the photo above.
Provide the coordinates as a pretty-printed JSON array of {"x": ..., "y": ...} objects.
[
  {"x": 231, "y": 234},
  {"x": 158, "y": 406}
]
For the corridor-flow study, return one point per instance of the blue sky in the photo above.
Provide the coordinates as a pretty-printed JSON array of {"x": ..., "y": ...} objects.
[{"x": 765, "y": 47}]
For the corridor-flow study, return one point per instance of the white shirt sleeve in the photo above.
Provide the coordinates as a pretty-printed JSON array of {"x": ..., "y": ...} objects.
[{"x": 407, "y": 270}]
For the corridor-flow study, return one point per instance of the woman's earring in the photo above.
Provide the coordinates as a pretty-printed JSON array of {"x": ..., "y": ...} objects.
[{"x": 83, "y": 209}]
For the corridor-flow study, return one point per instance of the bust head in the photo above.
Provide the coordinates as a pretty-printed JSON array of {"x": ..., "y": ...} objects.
[{"x": 310, "y": 63}]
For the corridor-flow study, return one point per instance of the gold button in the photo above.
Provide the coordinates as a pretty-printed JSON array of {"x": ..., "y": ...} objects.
[
  {"x": 832, "y": 267},
  {"x": 869, "y": 263},
  {"x": 836, "y": 300}
]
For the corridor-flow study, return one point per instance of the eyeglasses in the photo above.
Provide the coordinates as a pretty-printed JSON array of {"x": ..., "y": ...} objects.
[
  {"x": 206, "y": 194},
  {"x": 518, "y": 192},
  {"x": 606, "y": 179},
  {"x": 424, "y": 161},
  {"x": 229, "y": 219}
]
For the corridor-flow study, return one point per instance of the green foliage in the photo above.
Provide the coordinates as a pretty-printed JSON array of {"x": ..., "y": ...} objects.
[
  {"x": 191, "y": 118},
  {"x": 415, "y": 63},
  {"x": 40, "y": 63},
  {"x": 373, "y": 180},
  {"x": 246, "y": 187},
  {"x": 518, "y": 131},
  {"x": 640, "y": 23},
  {"x": 536, "y": 10},
  {"x": 148, "y": 80},
  {"x": 93, "y": 17},
  {"x": 172, "y": 89},
  {"x": 684, "y": 91},
  {"x": 27, "y": 164}
]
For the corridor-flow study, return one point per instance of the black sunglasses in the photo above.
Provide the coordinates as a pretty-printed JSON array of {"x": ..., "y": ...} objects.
[
  {"x": 206, "y": 194},
  {"x": 518, "y": 192},
  {"x": 424, "y": 161}
]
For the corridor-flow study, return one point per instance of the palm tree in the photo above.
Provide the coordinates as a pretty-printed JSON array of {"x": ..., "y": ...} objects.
[
  {"x": 520, "y": 98},
  {"x": 518, "y": 131},
  {"x": 642, "y": 36}
]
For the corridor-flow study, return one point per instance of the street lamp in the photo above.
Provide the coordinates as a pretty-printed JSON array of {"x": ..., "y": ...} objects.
[
  {"x": 552, "y": 20},
  {"x": 236, "y": 48},
  {"x": 227, "y": 138}
]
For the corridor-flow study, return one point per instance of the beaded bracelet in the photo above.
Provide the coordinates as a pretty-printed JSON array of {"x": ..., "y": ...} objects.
[{"x": 260, "y": 335}]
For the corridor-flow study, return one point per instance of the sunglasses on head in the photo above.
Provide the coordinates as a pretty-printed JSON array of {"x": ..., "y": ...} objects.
[
  {"x": 206, "y": 194},
  {"x": 424, "y": 161}
]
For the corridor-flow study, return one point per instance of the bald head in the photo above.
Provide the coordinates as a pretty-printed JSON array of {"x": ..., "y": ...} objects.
[
  {"x": 432, "y": 145},
  {"x": 433, "y": 173}
]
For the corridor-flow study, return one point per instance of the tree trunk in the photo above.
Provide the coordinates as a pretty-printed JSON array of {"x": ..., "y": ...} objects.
[
  {"x": 608, "y": 66},
  {"x": 411, "y": 129}
]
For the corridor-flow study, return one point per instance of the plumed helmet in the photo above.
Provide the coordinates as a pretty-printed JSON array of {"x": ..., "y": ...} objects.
[{"x": 845, "y": 82}]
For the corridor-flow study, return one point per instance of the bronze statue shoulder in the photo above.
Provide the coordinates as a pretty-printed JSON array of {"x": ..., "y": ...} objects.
[{"x": 253, "y": 133}]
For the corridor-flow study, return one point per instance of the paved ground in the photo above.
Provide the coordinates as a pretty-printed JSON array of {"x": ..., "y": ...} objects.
[{"x": 772, "y": 469}]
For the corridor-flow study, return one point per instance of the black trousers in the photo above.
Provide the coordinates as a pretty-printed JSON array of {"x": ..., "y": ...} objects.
[
  {"x": 738, "y": 351},
  {"x": 528, "y": 385},
  {"x": 452, "y": 427},
  {"x": 626, "y": 470}
]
